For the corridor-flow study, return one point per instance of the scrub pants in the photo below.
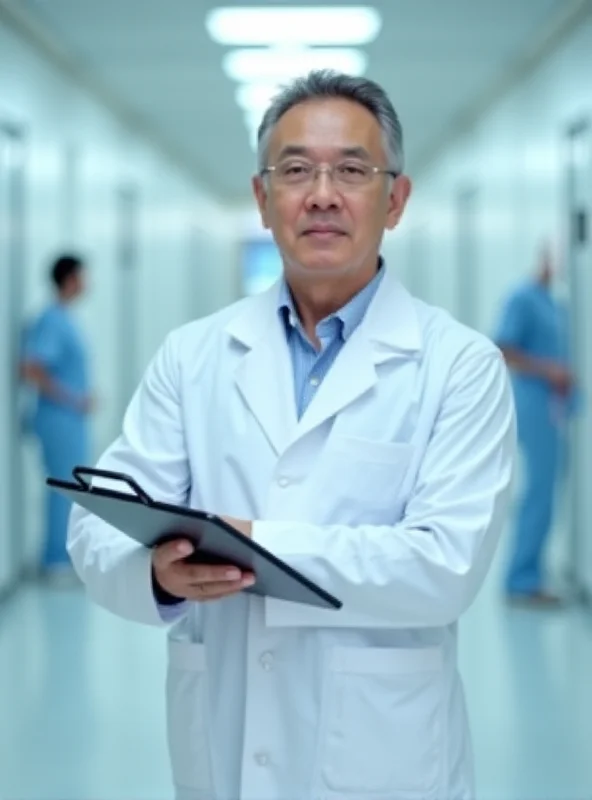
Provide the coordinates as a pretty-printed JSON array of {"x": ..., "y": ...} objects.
[
  {"x": 63, "y": 436},
  {"x": 541, "y": 442}
]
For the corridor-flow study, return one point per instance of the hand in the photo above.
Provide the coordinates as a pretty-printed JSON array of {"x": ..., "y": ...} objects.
[
  {"x": 560, "y": 378},
  {"x": 195, "y": 581},
  {"x": 242, "y": 525},
  {"x": 85, "y": 404}
]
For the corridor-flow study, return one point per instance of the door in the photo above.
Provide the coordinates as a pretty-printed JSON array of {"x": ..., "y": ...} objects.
[
  {"x": 579, "y": 273},
  {"x": 11, "y": 322},
  {"x": 467, "y": 257},
  {"x": 127, "y": 256}
]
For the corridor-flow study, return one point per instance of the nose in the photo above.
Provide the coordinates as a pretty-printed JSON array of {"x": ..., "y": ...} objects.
[{"x": 322, "y": 195}]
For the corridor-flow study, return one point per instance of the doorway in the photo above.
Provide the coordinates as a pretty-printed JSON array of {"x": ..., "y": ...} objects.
[
  {"x": 12, "y": 264},
  {"x": 127, "y": 258},
  {"x": 579, "y": 281}
]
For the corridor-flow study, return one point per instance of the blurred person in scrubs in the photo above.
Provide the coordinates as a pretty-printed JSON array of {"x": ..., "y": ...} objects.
[
  {"x": 55, "y": 363},
  {"x": 532, "y": 335}
]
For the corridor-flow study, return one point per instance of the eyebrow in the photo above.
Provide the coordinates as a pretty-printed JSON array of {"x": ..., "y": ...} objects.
[{"x": 345, "y": 152}]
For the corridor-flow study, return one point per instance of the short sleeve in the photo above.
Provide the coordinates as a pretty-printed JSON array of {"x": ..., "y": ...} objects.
[
  {"x": 513, "y": 327},
  {"x": 44, "y": 342}
]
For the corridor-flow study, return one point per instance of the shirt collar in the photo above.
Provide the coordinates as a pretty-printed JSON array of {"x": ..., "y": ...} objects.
[{"x": 349, "y": 316}]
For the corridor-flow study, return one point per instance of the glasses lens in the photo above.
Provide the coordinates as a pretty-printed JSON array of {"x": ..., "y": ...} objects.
[
  {"x": 353, "y": 174},
  {"x": 294, "y": 172}
]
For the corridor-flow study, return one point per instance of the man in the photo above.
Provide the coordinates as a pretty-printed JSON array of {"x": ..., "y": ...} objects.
[
  {"x": 363, "y": 437},
  {"x": 533, "y": 338},
  {"x": 55, "y": 363}
]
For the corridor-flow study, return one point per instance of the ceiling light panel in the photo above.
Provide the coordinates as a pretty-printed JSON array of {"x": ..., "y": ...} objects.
[
  {"x": 256, "y": 96},
  {"x": 277, "y": 65},
  {"x": 313, "y": 25}
]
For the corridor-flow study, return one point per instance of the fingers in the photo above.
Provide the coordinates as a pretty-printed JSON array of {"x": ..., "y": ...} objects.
[
  {"x": 170, "y": 552},
  {"x": 195, "y": 581},
  {"x": 216, "y": 590},
  {"x": 209, "y": 573}
]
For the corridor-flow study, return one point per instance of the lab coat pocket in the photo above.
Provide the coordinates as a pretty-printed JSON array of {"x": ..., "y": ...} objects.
[
  {"x": 381, "y": 725},
  {"x": 187, "y": 728},
  {"x": 361, "y": 479}
]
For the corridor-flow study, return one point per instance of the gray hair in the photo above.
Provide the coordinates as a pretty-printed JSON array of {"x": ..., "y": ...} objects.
[{"x": 322, "y": 84}]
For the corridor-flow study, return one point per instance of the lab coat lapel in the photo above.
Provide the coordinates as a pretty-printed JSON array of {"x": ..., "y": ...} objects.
[
  {"x": 264, "y": 372},
  {"x": 389, "y": 331},
  {"x": 352, "y": 374}
]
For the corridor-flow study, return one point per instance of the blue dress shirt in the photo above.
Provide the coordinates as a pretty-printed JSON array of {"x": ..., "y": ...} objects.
[{"x": 310, "y": 366}]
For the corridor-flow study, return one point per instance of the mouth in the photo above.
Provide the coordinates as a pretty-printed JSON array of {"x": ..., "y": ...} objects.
[{"x": 324, "y": 232}]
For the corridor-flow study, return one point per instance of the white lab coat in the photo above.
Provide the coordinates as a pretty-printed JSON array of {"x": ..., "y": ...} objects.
[{"x": 390, "y": 492}]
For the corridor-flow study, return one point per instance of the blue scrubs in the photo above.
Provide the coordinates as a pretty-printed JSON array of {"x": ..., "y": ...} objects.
[
  {"x": 54, "y": 342},
  {"x": 534, "y": 323}
]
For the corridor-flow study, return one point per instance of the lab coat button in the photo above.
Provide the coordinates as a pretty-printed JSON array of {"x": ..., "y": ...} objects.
[
  {"x": 283, "y": 482},
  {"x": 262, "y": 759}
]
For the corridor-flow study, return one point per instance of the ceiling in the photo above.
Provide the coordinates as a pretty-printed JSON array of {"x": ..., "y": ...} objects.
[{"x": 436, "y": 58}]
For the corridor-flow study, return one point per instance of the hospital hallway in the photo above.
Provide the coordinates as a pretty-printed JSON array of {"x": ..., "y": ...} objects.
[
  {"x": 81, "y": 694},
  {"x": 141, "y": 194}
]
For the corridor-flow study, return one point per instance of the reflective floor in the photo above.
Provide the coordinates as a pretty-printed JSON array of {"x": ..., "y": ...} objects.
[{"x": 81, "y": 701}]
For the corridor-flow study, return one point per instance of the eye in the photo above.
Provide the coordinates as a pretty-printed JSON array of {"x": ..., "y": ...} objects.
[
  {"x": 295, "y": 168},
  {"x": 352, "y": 169}
]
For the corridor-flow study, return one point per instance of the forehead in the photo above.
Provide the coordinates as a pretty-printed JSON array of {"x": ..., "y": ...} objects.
[{"x": 327, "y": 127}]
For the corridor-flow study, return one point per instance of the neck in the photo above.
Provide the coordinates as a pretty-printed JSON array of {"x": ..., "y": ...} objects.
[{"x": 317, "y": 299}]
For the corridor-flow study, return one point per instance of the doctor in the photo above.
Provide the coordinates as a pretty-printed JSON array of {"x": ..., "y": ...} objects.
[{"x": 364, "y": 437}]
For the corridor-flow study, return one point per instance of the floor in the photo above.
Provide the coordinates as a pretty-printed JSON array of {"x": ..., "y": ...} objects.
[
  {"x": 81, "y": 701},
  {"x": 528, "y": 676}
]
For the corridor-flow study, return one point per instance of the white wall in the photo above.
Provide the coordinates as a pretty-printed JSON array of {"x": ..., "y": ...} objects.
[
  {"x": 187, "y": 254},
  {"x": 515, "y": 157}
]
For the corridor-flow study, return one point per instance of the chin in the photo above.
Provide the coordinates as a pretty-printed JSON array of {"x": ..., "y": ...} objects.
[
  {"x": 322, "y": 261},
  {"x": 322, "y": 266}
]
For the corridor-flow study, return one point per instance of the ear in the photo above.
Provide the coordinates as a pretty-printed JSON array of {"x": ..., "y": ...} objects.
[
  {"x": 398, "y": 196},
  {"x": 260, "y": 192}
]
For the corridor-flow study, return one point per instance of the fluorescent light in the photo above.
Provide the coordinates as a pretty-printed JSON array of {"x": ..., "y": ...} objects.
[
  {"x": 327, "y": 25},
  {"x": 270, "y": 65},
  {"x": 256, "y": 95}
]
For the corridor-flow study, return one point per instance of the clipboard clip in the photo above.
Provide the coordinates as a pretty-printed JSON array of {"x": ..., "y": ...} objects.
[{"x": 78, "y": 472}]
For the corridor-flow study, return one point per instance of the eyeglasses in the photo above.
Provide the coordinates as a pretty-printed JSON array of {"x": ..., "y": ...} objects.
[{"x": 345, "y": 173}]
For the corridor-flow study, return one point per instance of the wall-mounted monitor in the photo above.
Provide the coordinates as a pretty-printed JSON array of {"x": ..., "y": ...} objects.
[{"x": 261, "y": 265}]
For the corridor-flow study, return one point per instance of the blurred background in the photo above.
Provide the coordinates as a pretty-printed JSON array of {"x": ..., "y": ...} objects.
[{"x": 127, "y": 132}]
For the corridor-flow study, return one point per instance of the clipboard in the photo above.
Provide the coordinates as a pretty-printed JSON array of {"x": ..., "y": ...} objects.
[{"x": 151, "y": 523}]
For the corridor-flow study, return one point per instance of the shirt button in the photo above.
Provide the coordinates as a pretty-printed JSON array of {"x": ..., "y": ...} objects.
[
  {"x": 262, "y": 759},
  {"x": 314, "y": 381},
  {"x": 283, "y": 482}
]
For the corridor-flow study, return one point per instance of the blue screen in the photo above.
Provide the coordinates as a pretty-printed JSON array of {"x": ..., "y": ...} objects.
[{"x": 261, "y": 266}]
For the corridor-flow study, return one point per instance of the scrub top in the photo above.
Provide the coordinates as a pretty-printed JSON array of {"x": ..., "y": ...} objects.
[
  {"x": 55, "y": 342},
  {"x": 535, "y": 323}
]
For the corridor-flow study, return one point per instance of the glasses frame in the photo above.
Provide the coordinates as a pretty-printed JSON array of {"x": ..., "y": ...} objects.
[{"x": 329, "y": 169}]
